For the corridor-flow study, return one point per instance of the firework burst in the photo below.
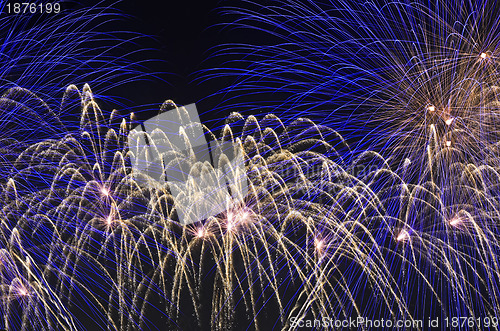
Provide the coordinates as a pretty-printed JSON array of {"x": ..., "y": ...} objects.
[{"x": 392, "y": 75}]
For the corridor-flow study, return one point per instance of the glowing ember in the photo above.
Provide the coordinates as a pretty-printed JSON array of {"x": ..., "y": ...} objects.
[
  {"x": 105, "y": 191},
  {"x": 403, "y": 235}
]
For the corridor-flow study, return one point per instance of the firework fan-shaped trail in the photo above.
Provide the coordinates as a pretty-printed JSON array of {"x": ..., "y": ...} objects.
[
  {"x": 322, "y": 232},
  {"x": 46, "y": 53},
  {"x": 41, "y": 54}
]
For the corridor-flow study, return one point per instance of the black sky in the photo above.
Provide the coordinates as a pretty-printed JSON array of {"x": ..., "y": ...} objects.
[{"x": 181, "y": 35}]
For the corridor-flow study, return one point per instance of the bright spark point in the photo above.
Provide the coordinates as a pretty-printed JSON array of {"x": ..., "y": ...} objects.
[
  {"x": 23, "y": 292},
  {"x": 448, "y": 143},
  {"x": 431, "y": 108},
  {"x": 237, "y": 217},
  {"x": 455, "y": 221},
  {"x": 483, "y": 55},
  {"x": 200, "y": 233},
  {"x": 319, "y": 244},
  {"x": 244, "y": 215},
  {"x": 105, "y": 191},
  {"x": 449, "y": 121},
  {"x": 109, "y": 220},
  {"x": 403, "y": 235}
]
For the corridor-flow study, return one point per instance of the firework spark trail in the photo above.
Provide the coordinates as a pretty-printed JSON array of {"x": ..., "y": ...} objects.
[
  {"x": 40, "y": 55},
  {"x": 46, "y": 54},
  {"x": 315, "y": 236}
]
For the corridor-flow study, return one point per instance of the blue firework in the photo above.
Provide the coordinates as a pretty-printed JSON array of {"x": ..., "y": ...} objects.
[
  {"x": 390, "y": 75},
  {"x": 44, "y": 54}
]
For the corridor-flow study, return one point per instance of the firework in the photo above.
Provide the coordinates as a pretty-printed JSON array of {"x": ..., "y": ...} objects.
[
  {"x": 90, "y": 247},
  {"x": 390, "y": 76},
  {"x": 41, "y": 55},
  {"x": 413, "y": 87},
  {"x": 400, "y": 227}
]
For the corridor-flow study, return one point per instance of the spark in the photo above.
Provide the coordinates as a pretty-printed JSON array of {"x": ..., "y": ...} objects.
[
  {"x": 105, "y": 191},
  {"x": 448, "y": 143},
  {"x": 230, "y": 221},
  {"x": 241, "y": 215},
  {"x": 22, "y": 291},
  {"x": 200, "y": 233},
  {"x": 403, "y": 235},
  {"x": 230, "y": 226},
  {"x": 431, "y": 108},
  {"x": 455, "y": 221},
  {"x": 449, "y": 121},
  {"x": 319, "y": 244},
  {"x": 483, "y": 55},
  {"x": 244, "y": 216}
]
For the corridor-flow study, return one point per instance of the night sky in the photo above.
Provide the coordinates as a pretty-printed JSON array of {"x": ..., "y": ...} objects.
[{"x": 180, "y": 39}]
